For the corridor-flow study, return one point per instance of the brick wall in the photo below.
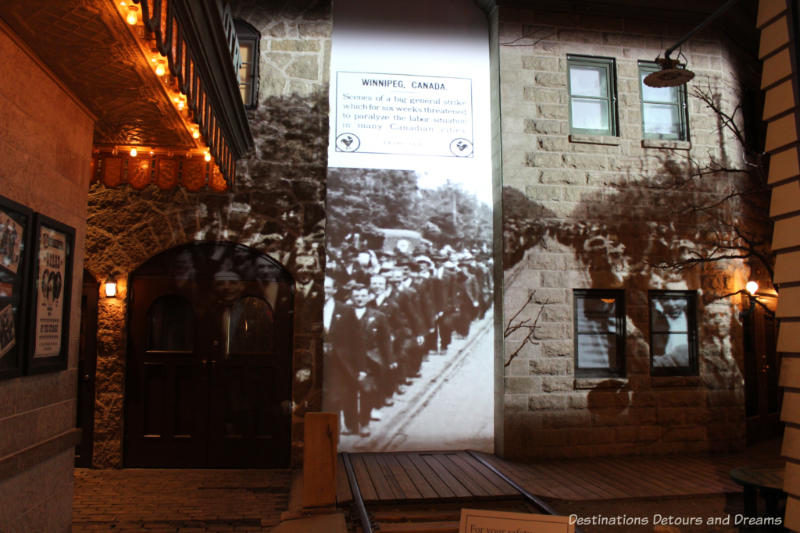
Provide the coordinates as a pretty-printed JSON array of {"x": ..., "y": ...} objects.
[
  {"x": 586, "y": 212},
  {"x": 45, "y": 166},
  {"x": 277, "y": 207}
]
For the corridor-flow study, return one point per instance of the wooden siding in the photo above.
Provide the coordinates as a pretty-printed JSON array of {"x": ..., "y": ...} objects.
[{"x": 778, "y": 50}]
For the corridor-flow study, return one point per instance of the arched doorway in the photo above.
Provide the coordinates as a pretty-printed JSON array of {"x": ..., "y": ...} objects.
[{"x": 209, "y": 360}]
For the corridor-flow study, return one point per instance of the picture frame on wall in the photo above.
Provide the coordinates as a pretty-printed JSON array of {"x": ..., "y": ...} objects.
[
  {"x": 50, "y": 289},
  {"x": 16, "y": 222}
]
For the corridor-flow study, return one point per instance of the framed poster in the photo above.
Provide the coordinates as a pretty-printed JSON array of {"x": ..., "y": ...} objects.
[
  {"x": 51, "y": 270},
  {"x": 15, "y": 236}
]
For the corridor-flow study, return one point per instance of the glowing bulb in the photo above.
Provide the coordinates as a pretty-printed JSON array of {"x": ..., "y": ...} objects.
[
  {"x": 133, "y": 15},
  {"x": 207, "y": 156},
  {"x": 751, "y": 287},
  {"x": 160, "y": 69},
  {"x": 195, "y": 134},
  {"x": 111, "y": 288},
  {"x": 134, "y": 152},
  {"x": 181, "y": 105}
]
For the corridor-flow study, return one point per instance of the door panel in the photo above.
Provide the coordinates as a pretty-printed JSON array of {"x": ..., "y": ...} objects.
[
  {"x": 762, "y": 393},
  {"x": 167, "y": 400},
  {"x": 249, "y": 401}
]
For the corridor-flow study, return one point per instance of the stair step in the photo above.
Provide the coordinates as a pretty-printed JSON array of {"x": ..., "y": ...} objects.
[
  {"x": 442, "y": 515},
  {"x": 418, "y": 527}
]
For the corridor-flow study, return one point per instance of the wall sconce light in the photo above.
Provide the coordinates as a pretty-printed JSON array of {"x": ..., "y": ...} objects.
[
  {"x": 133, "y": 15},
  {"x": 751, "y": 288},
  {"x": 110, "y": 286}
]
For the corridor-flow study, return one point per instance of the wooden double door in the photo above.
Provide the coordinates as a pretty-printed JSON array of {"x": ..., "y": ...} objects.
[{"x": 209, "y": 368}]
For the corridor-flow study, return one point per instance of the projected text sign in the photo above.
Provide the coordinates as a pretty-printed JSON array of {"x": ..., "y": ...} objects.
[{"x": 403, "y": 114}]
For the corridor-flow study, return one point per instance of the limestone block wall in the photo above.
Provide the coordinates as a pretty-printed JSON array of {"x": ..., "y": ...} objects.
[
  {"x": 45, "y": 151},
  {"x": 592, "y": 212},
  {"x": 277, "y": 207}
]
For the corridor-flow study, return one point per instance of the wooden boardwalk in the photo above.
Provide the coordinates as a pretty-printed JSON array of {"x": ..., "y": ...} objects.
[
  {"x": 421, "y": 476},
  {"x": 611, "y": 478},
  {"x": 458, "y": 476}
]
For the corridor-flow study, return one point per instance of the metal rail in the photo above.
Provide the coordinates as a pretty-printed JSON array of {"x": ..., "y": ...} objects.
[
  {"x": 358, "y": 501},
  {"x": 528, "y": 496},
  {"x": 699, "y": 27}
]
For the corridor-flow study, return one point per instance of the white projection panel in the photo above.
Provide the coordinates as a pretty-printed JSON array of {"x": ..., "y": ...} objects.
[{"x": 408, "y": 315}]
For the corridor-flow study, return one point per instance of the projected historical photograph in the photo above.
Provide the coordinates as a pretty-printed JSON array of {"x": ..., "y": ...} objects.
[{"x": 408, "y": 310}]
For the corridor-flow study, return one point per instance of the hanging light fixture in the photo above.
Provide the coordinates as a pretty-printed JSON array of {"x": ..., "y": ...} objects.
[{"x": 673, "y": 72}]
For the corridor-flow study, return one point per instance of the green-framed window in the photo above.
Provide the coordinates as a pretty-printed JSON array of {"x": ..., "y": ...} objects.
[
  {"x": 592, "y": 95},
  {"x": 599, "y": 332},
  {"x": 664, "y": 112}
]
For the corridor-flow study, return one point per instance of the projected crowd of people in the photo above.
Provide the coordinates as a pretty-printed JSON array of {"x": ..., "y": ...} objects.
[{"x": 387, "y": 309}]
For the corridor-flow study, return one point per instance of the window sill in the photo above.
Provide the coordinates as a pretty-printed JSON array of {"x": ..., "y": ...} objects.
[
  {"x": 666, "y": 144},
  {"x": 594, "y": 139},
  {"x": 601, "y": 383},
  {"x": 674, "y": 381}
]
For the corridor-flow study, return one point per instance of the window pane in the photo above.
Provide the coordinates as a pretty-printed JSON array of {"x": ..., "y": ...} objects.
[
  {"x": 250, "y": 326},
  {"x": 170, "y": 324},
  {"x": 660, "y": 119},
  {"x": 597, "y": 351},
  {"x": 670, "y": 350},
  {"x": 596, "y": 315},
  {"x": 245, "y": 51},
  {"x": 659, "y": 94},
  {"x": 588, "y": 81},
  {"x": 589, "y": 114},
  {"x": 669, "y": 315}
]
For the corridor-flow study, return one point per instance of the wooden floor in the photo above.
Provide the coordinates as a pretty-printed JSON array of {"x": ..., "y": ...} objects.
[
  {"x": 421, "y": 476},
  {"x": 452, "y": 476},
  {"x": 610, "y": 478}
]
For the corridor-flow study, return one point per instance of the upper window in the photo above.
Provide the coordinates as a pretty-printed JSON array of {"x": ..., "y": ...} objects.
[
  {"x": 663, "y": 108},
  {"x": 673, "y": 333},
  {"x": 592, "y": 95},
  {"x": 250, "y": 327},
  {"x": 249, "y": 38},
  {"x": 170, "y": 324},
  {"x": 599, "y": 333}
]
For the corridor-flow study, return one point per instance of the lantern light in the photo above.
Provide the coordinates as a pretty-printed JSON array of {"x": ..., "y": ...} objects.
[
  {"x": 133, "y": 15},
  {"x": 195, "y": 133},
  {"x": 110, "y": 286},
  {"x": 160, "y": 68},
  {"x": 134, "y": 152},
  {"x": 207, "y": 156},
  {"x": 751, "y": 287}
]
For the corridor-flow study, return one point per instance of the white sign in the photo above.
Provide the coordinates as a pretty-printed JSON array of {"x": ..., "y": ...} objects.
[{"x": 403, "y": 114}]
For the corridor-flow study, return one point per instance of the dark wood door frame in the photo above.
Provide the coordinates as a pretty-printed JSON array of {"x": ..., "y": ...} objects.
[
  {"x": 762, "y": 394},
  {"x": 87, "y": 367}
]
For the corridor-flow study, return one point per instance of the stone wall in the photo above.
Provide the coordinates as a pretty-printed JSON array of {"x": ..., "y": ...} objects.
[
  {"x": 277, "y": 207},
  {"x": 597, "y": 212},
  {"x": 44, "y": 165}
]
